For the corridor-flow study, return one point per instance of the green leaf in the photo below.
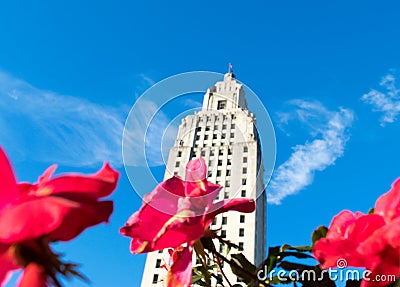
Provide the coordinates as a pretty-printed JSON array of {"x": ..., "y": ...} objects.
[
  {"x": 318, "y": 233},
  {"x": 300, "y": 255},
  {"x": 303, "y": 248},
  {"x": 371, "y": 210},
  {"x": 294, "y": 266},
  {"x": 208, "y": 243},
  {"x": 245, "y": 265},
  {"x": 271, "y": 260}
]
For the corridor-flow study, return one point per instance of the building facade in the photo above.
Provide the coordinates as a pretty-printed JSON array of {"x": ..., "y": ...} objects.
[{"x": 223, "y": 133}]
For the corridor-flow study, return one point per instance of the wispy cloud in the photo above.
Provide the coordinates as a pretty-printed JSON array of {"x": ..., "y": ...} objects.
[
  {"x": 148, "y": 136},
  {"x": 49, "y": 127},
  {"x": 387, "y": 102},
  {"x": 329, "y": 130}
]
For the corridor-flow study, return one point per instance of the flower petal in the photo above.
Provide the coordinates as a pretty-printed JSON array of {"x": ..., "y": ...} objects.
[
  {"x": 78, "y": 219},
  {"x": 7, "y": 263},
  {"x": 237, "y": 204},
  {"x": 338, "y": 229},
  {"x": 196, "y": 170},
  {"x": 98, "y": 185},
  {"x": 60, "y": 217},
  {"x": 8, "y": 185},
  {"x": 388, "y": 204},
  {"x": 180, "y": 273},
  {"x": 33, "y": 276},
  {"x": 382, "y": 274},
  {"x": 329, "y": 251}
]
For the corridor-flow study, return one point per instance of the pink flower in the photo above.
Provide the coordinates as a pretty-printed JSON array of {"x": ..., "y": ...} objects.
[
  {"x": 180, "y": 266},
  {"x": 177, "y": 212},
  {"x": 57, "y": 209},
  {"x": 371, "y": 241}
]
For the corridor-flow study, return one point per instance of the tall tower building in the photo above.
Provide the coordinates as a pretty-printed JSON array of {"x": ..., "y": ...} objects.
[{"x": 223, "y": 133}]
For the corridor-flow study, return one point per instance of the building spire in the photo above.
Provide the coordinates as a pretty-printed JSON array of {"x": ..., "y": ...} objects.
[{"x": 230, "y": 68}]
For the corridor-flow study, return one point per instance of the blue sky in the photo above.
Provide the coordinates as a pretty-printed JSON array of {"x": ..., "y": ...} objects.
[{"x": 326, "y": 71}]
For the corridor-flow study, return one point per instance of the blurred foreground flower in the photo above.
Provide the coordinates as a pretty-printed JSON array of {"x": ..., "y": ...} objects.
[
  {"x": 54, "y": 209},
  {"x": 371, "y": 241},
  {"x": 175, "y": 214}
]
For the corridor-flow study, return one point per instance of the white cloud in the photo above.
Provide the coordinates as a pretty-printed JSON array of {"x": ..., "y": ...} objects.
[
  {"x": 148, "y": 132},
  {"x": 329, "y": 130},
  {"x": 387, "y": 102},
  {"x": 49, "y": 127}
]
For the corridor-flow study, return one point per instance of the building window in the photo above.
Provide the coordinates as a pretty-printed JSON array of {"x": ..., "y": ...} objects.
[
  {"x": 241, "y": 232},
  {"x": 221, "y": 248},
  {"x": 214, "y": 137},
  {"x": 203, "y": 153},
  {"x": 228, "y": 172},
  {"x": 229, "y": 151},
  {"x": 232, "y": 126},
  {"x": 221, "y": 152},
  {"x": 226, "y": 195},
  {"x": 158, "y": 263},
  {"x": 160, "y": 251},
  {"x": 223, "y": 233},
  {"x": 211, "y": 153},
  {"x": 215, "y": 127},
  {"x": 245, "y": 149},
  {"x": 229, "y": 161},
  {"x": 224, "y": 220},
  {"x": 221, "y": 105},
  {"x": 207, "y": 128},
  {"x": 214, "y": 221},
  {"x": 227, "y": 183},
  {"x": 241, "y": 246},
  {"x": 197, "y": 138},
  {"x": 243, "y": 181},
  {"x": 220, "y": 162},
  {"x": 244, "y": 171},
  {"x": 155, "y": 278},
  {"x": 206, "y": 137},
  {"x": 218, "y": 172},
  {"x": 175, "y": 173},
  {"x": 198, "y": 129},
  {"x": 179, "y": 153},
  {"x": 242, "y": 218},
  {"x": 224, "y": 127},
  {"x": 243, "y": 193},
  {"x": 223, "y": 136},
  {"x": 232, "y": 135},
  {"x": 245, "y": 159},
  {"x": 177, "y": 164}
]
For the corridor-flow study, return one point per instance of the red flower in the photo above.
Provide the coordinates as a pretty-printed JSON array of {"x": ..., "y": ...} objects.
[
  {"x": 180, "y": 266},
  {"x": 56, "y": 209},
  {"x": 371, "y": 241},
  {"x": 176, "y": 212}
]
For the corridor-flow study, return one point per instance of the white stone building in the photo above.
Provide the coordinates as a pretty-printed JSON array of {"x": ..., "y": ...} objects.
[{"x": 225, "y": 135}]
